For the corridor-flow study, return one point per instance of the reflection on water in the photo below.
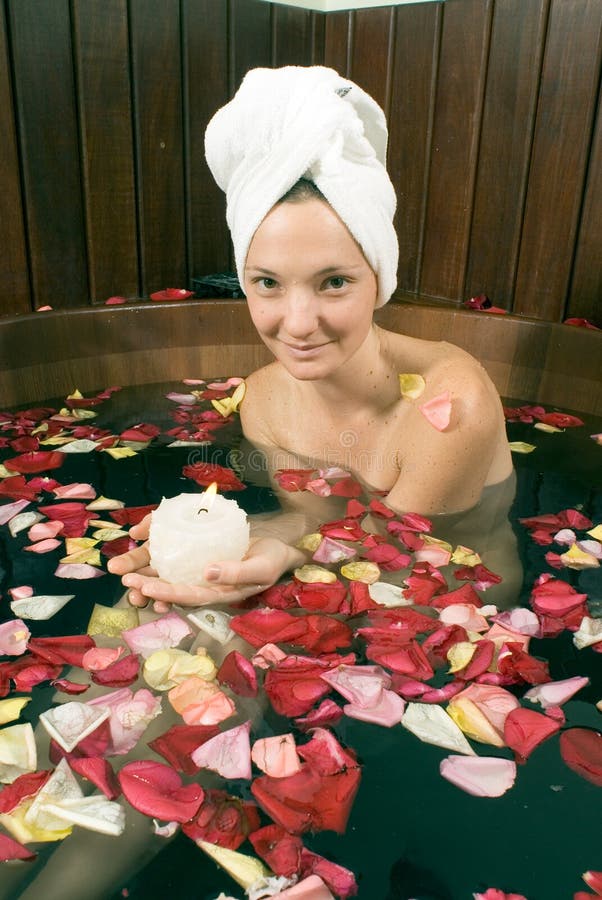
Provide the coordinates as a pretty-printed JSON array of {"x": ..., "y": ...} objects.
[{"x": 410, "y": 834}]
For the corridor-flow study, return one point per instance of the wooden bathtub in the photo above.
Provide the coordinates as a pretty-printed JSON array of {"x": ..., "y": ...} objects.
[{"x": 48, "y": 354}]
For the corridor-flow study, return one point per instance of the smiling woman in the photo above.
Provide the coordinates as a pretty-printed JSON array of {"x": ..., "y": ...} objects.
[{"x": 300, "y": 153}]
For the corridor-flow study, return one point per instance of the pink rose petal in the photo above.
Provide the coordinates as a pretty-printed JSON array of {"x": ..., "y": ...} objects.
[
  {"x": 555, "y": 693},
  {"x": 163, "y": 633},
  {"x": 276, "y": 756},
  {"x": 481, "y": 776},
  {"x": 228, "y": 753},
  {"x": 437, "y": 411},
  {"x": 387, "y": 712},
  {"x": 43, "y": 546},
  {"x": 14, "y": 636}
]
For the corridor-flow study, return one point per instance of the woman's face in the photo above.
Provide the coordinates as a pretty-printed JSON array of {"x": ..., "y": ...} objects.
[{"x": 310, "y": 291}]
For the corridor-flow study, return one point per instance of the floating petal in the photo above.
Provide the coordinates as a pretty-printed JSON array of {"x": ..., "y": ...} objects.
[
  {"x": 481, "y": 776},
  {"x": 70, "y": 723},
  {"x": 41, "y": 606},
  {"x": 245, "y": 870},
  {"x": 521, "y": 447},
  {"x": 433, "y": 726}
]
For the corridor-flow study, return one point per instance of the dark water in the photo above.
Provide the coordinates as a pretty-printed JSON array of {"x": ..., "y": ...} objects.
[{"x": 411, "y": 834}]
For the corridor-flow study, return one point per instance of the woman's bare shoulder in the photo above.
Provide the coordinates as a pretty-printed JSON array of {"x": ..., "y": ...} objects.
[{"x": 262, "y": 388}]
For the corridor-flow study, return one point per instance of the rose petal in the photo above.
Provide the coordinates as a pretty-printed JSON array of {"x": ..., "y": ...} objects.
[
  {"x": 156, "y": 790},
  {"x": 438, "y": 411},
  {"x": 481, "y": 776}
]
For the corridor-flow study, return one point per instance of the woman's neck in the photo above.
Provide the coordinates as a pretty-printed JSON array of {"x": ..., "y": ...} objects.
[{"x": 366, "y": 383}]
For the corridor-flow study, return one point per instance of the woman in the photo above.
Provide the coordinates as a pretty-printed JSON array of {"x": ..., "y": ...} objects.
[{"x": 300, "y": 153}]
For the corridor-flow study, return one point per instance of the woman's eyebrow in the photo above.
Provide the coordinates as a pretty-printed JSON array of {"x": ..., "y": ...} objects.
[{"x": 261, "y": 270}]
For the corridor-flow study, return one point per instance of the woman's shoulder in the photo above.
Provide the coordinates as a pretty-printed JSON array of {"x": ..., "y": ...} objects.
[{"x": 262, "y": 390}]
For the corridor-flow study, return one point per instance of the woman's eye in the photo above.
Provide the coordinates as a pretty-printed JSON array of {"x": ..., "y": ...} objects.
[
  {"x": 337, "y": 282},
  {"x": 267, "y": 283}
]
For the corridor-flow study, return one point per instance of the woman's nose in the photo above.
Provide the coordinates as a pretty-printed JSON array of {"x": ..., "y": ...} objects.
[{"x": 301, "y": 314}]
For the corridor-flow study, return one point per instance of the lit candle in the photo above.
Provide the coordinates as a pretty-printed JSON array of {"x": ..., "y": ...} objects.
[{"x": 190, "y": 531}]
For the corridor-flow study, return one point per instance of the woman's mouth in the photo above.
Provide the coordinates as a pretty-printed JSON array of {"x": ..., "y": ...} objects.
[{"x": 304, "y": 351}]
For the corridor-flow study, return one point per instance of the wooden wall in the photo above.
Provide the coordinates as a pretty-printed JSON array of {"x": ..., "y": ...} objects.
[{"x": 496, "y": 142}]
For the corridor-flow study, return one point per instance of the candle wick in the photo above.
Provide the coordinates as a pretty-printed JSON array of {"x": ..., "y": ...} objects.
[{"x": 202, "y": 509}]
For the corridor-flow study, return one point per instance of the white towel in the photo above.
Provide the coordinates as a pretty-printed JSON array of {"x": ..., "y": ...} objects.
[{"x": 285, "y": 124}]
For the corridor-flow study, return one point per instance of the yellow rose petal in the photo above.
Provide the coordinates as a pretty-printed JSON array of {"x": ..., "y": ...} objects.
[
  {"x": 75, "y": 395},
  {"x": 120, "y": 452},
  {"x": 11, "y": 709},
  {"x": 469, "y": 718},
  {"x": 4, "y": 473},
  {"x": 521, "y": 447},
  {"x": 75, "y": 545},
  {"x": 460, "y": 655},
  {"x": 596, "y": 532},
  {"x": 106, "y": 533},
  {"x": 91, "y": 556},
  {"x": 164, "y": 669},
  {"x": 436, "y": 542},
  {"x": 228, "y": 405},
  {"x": 22, "y": 831},
  {"x": 245, "y": 870},
  {"x": 57, "y": 441},
  {"x": 411, "y": 386},
  {"x": 314, "y": 574},
  {"x": 310, "y": 542},
  {"x": 550, "y": 429},
  {"x": 464, "y": 556},
  {"x": 575, "y": 558},
  {"x": 365, "y": 571},
  {"x": 104, "y": 503},
  {"x": 111, "y": 620}
]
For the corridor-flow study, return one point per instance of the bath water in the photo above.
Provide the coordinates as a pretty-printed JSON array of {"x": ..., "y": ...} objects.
[{"x": 411, "y": 834}]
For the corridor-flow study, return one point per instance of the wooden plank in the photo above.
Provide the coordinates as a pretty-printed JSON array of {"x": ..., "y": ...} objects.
[
  {"x": 318, "y": 27},
  {"x": 569, "y": 85},
  {"x": 456, "y": 127},
  {"x": 101, "y": 50},
  {"x": 585, "y": 298},
  {"x": 49, "y": 141},
  {"x": 14, "y": 279},
  {"x": 337, "y": 50},
  {"x": 371, "y": 52},
  {"x": 205, "y": 47},
  {"x": 156, "y": 59},
  {"x": 250, "y": 38},
  {"x": 292, "y": 33},
  {"x": 536, "y": 361},
  {"x": 516, "y": 49},
  {"x": 410, "y": 118}
]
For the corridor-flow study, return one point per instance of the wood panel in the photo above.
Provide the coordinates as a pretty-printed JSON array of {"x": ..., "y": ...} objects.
[
  {"x": 205, "y": 51},
  {"x": 292, "y": 36},
  {"x": 569, "y": 84},
  {"x": 371, "y": 53},
  {"x": 461, "y": 79},
  {"x": 414, "y": 79},
  {"x": 14, "y": 280},
  {"x": 337, "y": 42},
  {"x": 46, "y": 108},
  {"x": 157, "y": 73},
  {"x": 102, "y": 58},
  {"x": 517, "y": 42},
  {"x": 250, "y": 38},
  {"x": 493, "y": 152},
  {"x": 585, "y": 298}
]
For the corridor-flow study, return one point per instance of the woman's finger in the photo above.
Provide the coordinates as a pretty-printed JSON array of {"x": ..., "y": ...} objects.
[{"x": 131, "y": 561}]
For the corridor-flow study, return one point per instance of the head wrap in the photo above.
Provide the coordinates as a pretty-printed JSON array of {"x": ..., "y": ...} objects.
[{"x": 306, "y": 122}]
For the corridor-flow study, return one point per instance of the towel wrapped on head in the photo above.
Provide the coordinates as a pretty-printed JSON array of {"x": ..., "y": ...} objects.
[{"x": 306, "y": 122}]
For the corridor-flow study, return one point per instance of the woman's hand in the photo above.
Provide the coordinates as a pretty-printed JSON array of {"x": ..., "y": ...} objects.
[{"x": 229, "y": 580}]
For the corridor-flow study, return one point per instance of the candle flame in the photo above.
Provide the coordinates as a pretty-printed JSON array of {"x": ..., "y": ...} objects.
[{"x": 208, "y": 496}]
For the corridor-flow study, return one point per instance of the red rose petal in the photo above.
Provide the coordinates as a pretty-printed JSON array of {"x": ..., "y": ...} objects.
[
  {"x": 279, "y": 849},
  {"x": 99, "y": 772},
  {"x": 207, "y": 473},
  {"x": 156, "y": 790},
  {"x": 131, "y": 515},
  {"x": 68, "y": 650},
  {"x": 525, "y": 729},
  {"x": 328, "y": 713},
  {"x": 223, "y": 820},
  {"x": 238, "y": 674},
  {"x": 121, "y": 673},
  {"x": 21, "y": 788},
  {"x": 581, "y": 749},
  {"x": 10, "y": 849},
  {"x": 177, "y": 744},
  {"x": 35, "y": 461}
]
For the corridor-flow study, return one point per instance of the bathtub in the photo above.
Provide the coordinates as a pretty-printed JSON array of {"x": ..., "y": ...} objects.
[{"x": 50, "y": 353}]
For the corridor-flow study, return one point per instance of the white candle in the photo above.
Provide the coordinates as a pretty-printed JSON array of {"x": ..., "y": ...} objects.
[{"x": 190, "y": 531}]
